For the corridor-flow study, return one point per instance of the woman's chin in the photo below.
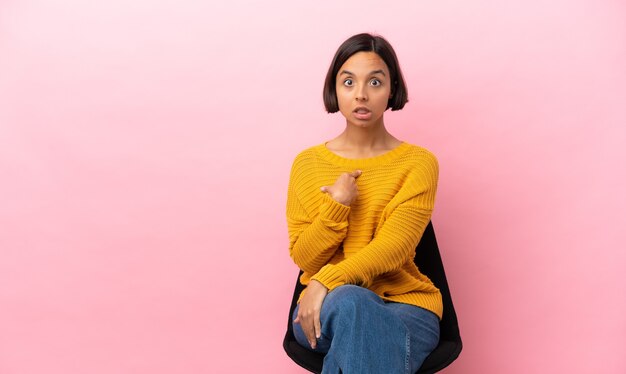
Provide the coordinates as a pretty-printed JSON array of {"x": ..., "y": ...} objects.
[{"x": 363, "y": 123}]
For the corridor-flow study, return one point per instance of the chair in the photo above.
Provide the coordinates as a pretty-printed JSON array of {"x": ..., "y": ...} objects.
[{"x": 428, "y": 259}]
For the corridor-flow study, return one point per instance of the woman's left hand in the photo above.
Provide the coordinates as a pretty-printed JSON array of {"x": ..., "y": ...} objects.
[{"x": 309, "y": 311}]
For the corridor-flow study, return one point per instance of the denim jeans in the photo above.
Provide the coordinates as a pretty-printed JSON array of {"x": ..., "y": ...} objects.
[{"x": 361, "y": 333}]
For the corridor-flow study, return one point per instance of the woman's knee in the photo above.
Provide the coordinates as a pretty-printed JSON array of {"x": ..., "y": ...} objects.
[{"x": 350, "y": 296}]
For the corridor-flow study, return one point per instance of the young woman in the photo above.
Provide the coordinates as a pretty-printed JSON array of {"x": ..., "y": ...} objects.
[{"x": 357, "y": 206}]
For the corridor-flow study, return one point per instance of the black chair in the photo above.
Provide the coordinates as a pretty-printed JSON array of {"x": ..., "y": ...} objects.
[{"x": 428, "y": 259}]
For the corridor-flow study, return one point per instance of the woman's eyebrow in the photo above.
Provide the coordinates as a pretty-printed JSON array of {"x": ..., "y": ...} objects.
[{"x": 371, "y": 73}]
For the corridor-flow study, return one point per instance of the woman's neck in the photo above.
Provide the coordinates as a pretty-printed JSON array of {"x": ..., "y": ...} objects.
[{"x": 363, "y": 142}]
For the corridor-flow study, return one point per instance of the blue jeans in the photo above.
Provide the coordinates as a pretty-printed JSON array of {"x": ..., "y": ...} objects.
[{"x": 361, "y": 333}]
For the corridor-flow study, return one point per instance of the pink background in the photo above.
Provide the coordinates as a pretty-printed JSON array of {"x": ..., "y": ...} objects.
[{"x": 145, "y": 149}]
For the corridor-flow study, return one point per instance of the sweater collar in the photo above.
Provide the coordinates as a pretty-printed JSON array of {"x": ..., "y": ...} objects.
[{"x": 362, "y": 162}]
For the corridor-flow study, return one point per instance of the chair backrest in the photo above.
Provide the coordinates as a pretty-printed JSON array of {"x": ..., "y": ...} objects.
[{"x": 428, "y": 260}]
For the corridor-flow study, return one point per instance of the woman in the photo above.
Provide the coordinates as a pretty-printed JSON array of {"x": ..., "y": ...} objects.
[{"x": 357, "y": 206}]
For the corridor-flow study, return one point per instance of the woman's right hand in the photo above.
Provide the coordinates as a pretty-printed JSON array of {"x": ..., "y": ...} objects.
[
  {"x": 345, "y": 190},
  {"x": 309, "y": 311}
]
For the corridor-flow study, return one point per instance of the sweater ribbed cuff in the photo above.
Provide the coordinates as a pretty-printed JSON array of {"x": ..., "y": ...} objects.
[
  {"x": 330, "y": 276},
  {"x": 333, "y": 211}
]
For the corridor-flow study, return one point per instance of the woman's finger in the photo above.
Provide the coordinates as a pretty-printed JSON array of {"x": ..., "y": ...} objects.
[
  {"x": 355, "y": 174},
  {"x": 317, "y": 325},
  {"x": 306, "y": 324},
  {"x": 309, "y": 332}
]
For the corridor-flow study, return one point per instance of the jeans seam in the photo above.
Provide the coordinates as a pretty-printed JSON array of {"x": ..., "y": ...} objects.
[{"x": 407, "y": 359}]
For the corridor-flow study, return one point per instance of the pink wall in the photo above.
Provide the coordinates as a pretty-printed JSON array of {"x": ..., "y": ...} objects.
[{"x": 145, "y": 148}]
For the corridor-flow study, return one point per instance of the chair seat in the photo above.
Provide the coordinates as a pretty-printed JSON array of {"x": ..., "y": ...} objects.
[
  {"x": 445, "y": 352},
  {"x": 312, "y": 361}
]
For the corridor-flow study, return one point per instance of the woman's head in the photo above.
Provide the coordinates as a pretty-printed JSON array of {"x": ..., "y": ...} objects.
[{"x": 366, "y": 43}]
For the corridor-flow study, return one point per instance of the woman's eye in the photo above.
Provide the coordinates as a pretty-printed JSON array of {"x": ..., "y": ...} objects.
[
  {"x": 375, "y": 82},
  {"x": 347, "y": 82}
]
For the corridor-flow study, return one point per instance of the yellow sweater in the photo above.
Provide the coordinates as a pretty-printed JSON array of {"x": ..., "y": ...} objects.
[{"x": 372, "y": 242}]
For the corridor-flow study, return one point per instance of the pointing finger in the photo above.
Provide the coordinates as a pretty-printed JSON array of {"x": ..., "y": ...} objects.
[{"x": 356, "y": 173}]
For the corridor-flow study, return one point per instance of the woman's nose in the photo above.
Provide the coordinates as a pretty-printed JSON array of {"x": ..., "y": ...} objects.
[{"x": 361, "y": 94}]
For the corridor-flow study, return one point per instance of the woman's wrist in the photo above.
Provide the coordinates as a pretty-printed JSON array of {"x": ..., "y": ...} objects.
[{"x": 342, "y": 200}]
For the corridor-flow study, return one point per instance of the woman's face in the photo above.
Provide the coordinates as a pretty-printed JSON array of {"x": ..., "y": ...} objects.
[{"x": 363, "y": 89}]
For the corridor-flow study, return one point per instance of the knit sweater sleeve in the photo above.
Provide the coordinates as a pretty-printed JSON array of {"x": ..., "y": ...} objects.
[
  {"x": 314, "y": 234},
  {"x": 396, "y": 236}
]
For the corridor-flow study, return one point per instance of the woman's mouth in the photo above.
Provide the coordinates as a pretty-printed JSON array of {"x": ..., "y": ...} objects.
[{"x": 362, "y": 113}]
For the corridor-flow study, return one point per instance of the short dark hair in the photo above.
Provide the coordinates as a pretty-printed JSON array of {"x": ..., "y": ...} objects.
[{"x": 366, "y": 43}]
